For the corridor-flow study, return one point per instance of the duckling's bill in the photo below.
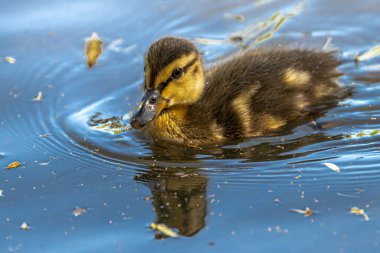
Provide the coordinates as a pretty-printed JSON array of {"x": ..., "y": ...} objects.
[{"x": 151, "y": 106}]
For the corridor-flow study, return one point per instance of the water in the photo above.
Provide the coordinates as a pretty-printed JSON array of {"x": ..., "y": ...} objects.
[{"x": 237, "y": 197}]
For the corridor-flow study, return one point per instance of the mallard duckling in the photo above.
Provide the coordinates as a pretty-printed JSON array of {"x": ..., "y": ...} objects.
[{"x": 249, "y": 94}]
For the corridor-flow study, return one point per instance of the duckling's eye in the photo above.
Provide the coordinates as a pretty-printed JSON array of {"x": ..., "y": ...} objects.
[{"x": 177, "y": 73}]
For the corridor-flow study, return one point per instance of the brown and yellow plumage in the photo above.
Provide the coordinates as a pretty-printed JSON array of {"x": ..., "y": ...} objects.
[{"x": 246, "y": 95}]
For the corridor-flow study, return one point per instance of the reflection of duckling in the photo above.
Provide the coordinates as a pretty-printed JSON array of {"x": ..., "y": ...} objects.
[
  {"x": 179, "y": 198},
  {"x": 246, "y": 95}
]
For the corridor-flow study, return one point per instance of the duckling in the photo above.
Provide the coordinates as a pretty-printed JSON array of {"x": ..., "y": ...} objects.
[{"x": 249, "y": 94}]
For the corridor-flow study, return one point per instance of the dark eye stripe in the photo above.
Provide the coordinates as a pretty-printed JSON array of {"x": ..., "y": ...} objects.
[
  {"x": 163, "y": 85},
  {"x": 191, "y": 63}
]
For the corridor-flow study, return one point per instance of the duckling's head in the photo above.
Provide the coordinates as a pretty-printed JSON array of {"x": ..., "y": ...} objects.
[{"x": 173, "y": 79}]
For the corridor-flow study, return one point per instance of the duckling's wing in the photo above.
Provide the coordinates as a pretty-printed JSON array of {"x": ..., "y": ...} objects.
[{"x": 257, "y": 91}]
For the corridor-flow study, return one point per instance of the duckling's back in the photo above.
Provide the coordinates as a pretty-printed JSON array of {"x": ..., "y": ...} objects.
[{"x": 259, "y": 91}]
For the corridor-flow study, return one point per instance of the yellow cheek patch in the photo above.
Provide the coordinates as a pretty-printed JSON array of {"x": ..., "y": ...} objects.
[
  {"x": 187, "y": 89},
  {"x": 241, "y": 106},
  {"x": 293, "y": 77}
]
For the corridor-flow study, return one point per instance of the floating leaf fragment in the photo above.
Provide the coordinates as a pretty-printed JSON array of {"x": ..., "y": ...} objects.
[
  {"x": 93, "y": 49},
  {"x": 39, "y": 97},
  {"x": 360, "y": 134},
  {"x": 164, "y": 229},
  {"x": 275, "y": 16},
  {"x": 237, "y": 17},
  {"x": 279, "y": 23},
  {"x": 236, "y": 39},
  {"x": 24, "y": 226},
  {"x": 307, "y": 212},
  {"x": 78, "y": 211},
  {"x": 13, "y": 165},
  {"x": 10, "y": 59},
  {"x": 114, "y": 125},
  {"x": 358, "y": 211},
  {"x": 332, "y": 166},
  {"x": 373, "y": 52},
  {"x": 365, "y": 133}
]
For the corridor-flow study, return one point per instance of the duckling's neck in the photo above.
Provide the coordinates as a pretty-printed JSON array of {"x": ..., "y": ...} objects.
[
  {"x": 169, "y": 124},
  {"x": 178, "y": 112}
]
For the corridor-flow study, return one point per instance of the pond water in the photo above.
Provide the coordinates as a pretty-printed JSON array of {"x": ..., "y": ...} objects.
[{"x": 237, "y": 197}]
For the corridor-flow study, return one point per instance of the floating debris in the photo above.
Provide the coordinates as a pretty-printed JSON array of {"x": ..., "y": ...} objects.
[
  {"x": 365, "y": 133},
  {"x": 307, "y": 212},
  {"x": 25, "y": 226},
  {"x": 44, "y": 135},
  {"x": 346, "y": 195},
  {"x": 358, "y": 211},
  {"x": 356, "y": 59},
  {"x": 373, "y": 52},
  {"x": 78, "y": 211},
  {"x": 164, "y": 229},
  {"x": 1, "y": 193},
  {"x": 114, "y": 124},
  {"x": 264, "y": 30},
  {"x": 147, "y": 198},
  {"x": 38, "y": 98},
  {"x": 332, "y": 166},
  {"x": 279, "y": 23},
  {"x": 13, "y": 165},
  {"x": 236, "y": 38},
  {"x": 237, "y": 17},
  {"x": 10, "y": 59},
  {"x": 93, "y": 49}
]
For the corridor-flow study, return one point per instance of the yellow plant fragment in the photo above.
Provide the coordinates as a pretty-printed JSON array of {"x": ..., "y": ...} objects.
[
  {"x": 279, "y": 23},
  {"x": 13, "y": 165},
  {"x": 332, "y": 166},
  {"x": 164, "y": 229},
  {"x": 265, "y": 37},
  {"x": 38, "y": 98},
  {"x": 10, "y": 60},
  {"x": 373, "y": 52},
  {"x": 24, "y": 226},
  {"x": 307, "y": 212},
  {"x": 93, "y": 49},
  {"x": 358, "y": 211}
]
